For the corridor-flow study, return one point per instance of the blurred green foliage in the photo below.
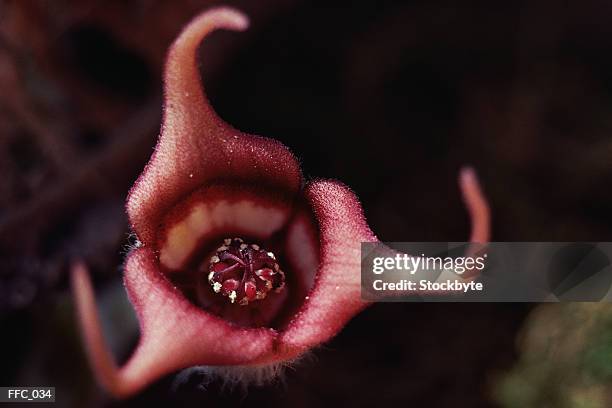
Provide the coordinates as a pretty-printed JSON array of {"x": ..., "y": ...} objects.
[{"x": 566, "y": 359}]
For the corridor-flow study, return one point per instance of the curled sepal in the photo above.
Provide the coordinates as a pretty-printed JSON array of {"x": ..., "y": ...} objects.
[
  {"x": 195, "y": 146},
  {"x": 336, "y": 295},
  {"x": 174, "y": 333},
  {"x": 205, "y": 180},
  {"x": 476, "y": 204}
]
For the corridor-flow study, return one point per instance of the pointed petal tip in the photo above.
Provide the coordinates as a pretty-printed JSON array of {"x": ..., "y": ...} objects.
[
  {"x": 196, "y": 147},
  {"x": 174, "y": 336},
  {"x": 223, "y": 17},
  {"x": 476, "y": 204},
  {"x": 98, "y": 353},
  {"x": 467, "y": 174}
]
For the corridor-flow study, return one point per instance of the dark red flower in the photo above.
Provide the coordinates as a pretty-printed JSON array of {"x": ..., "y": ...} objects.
[{"x": 239, "y": 263}]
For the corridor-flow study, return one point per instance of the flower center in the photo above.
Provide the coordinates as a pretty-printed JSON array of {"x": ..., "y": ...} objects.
[{"x": 244, "y": 272}]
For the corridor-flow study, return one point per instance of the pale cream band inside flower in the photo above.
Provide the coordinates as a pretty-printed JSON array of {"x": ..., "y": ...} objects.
[
  {"x": 251, "y": 218},
  {"x": 300, "y": 249}
]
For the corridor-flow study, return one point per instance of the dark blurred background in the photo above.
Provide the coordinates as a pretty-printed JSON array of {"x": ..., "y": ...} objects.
[{"x": 391, "y": 97}]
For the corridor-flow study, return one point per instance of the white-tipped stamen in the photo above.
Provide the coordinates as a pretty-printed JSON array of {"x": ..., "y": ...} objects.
[{"x": 247, "y": 263}]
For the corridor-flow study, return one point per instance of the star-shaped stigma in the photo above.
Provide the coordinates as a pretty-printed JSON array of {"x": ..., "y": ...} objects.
[{"x": 244, "y": 272}]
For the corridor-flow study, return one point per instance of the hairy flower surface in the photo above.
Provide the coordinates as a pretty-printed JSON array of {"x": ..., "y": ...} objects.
[{"x": 241, "y": 263}]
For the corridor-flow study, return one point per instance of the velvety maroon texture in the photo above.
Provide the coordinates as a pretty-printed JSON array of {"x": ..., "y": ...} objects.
[
  {"x": 197, "y": 149},
  {"x": 195, "y": 146}
]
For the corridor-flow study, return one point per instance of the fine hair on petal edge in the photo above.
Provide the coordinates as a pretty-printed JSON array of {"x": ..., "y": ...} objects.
[{"x": 234, "y": 378}]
